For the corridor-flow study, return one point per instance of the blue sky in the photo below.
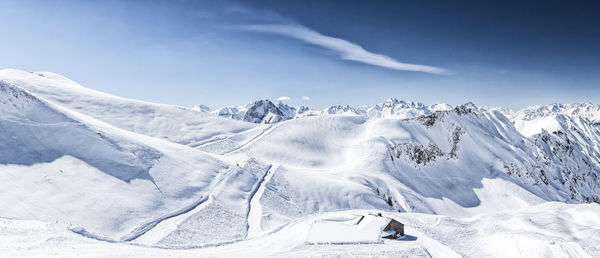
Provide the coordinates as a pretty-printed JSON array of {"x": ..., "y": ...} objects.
[{"x": 503, "y": 53}]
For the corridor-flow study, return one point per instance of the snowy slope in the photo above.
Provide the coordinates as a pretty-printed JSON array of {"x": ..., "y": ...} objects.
[
  {"x": 223, "y": 218},
  {"x": 547, "y": 230},
  {"x": 458, "y": 163},
  {"x": 571, "y": 145},
  {"x": 177, "y": 124},
  {"x": 62, "y": 165}
]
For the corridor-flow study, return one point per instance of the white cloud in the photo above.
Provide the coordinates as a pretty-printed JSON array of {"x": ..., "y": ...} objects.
[
  {"x": 345, "y": 49},
  {"x": 283, "y": 98},
  {"x": 306, "y": 98}
]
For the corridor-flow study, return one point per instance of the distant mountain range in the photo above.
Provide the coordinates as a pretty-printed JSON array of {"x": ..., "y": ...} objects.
[{"x": 267, "y": 112}]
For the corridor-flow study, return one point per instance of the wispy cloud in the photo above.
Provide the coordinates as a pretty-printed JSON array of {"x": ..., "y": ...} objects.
[
  {"x": 345, "y": 49},
  {"x": 283, "y": 98},
  {"x": 307, "y": 98}
]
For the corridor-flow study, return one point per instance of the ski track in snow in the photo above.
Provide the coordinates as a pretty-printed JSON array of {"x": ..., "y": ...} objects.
[
  {"x": 214, "y": 139},
  {"x": 255, "y": 139},
  {"x": 160, "y": 228},
  {"x": 254, "y": 208},
  {"x": 172, "y": 219},
  {"x": 29, "y": 123},
  {"x": 156, "y": 230},
  {"x": 220, "y": 138},
  {"x": 165, "y": 220}
]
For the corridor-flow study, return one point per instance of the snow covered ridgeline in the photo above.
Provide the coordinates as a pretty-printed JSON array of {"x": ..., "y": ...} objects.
[
  {"x": 566, "y": 159},
  {"x": 448, "y": 155},
  {"x": 265, "y": 111},
  {"x": 585, "y": 110},
  {"x": 174, "y": 123},
  {"x": 262, "y": 111}
]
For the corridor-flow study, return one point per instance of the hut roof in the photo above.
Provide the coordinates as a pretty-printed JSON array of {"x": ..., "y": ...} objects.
[{"x": 349, "y": 229}]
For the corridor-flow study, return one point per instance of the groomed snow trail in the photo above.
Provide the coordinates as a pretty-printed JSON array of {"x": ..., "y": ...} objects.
[
  {"x": 157, "y": 230},
  {"x": 254, "y": 208},
  {"x": 255, "y": 139},
  {"x": 160, "y": 227}
]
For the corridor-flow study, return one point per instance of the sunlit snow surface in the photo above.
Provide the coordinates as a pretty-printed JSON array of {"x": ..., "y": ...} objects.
[
  {"x": 546, "y": 230},
  {"x": 83, "y": 173}
]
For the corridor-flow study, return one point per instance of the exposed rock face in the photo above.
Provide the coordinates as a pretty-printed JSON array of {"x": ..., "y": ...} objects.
[
  {"x": 394, "y": 108},
  {"x": 232, "y": 112},
  {"x": 420, "y": 154},
  {"x": 566, "y": 158},
  {"x": 263, "y": 111},
  {"x": 343, "y": 110}
]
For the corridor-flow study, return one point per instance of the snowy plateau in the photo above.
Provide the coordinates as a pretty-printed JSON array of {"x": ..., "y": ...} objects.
[{"x": 88, "y": 174}]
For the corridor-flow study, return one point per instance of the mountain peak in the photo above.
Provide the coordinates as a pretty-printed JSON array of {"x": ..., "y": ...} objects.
[
  {"x": 586, "y": 110},
  {"x": 263, "y": 111},
  {"x": 343, "y": 110},
  {"x": 202, "y": 108}
]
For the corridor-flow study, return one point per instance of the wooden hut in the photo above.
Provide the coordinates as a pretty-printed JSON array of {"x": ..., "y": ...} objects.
[{"x": 393, "y": 229}]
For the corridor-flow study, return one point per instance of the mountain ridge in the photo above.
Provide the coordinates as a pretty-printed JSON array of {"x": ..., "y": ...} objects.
[{"x": 400, "y": 109}]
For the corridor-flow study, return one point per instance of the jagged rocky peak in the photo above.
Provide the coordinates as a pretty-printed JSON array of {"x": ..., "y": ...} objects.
[
  {"x": 440, "y": 107},
  {"x": 263, "y": 111},
  {"x": 470, "y": 104},
  {"x": 202, "y": 108},
  {"x": 586, "y": 110},
  {"x": 234, "y": 112},
  {"x": 394, "y": 108},
  {"x": 538, "y": 111},
  {"x": 343, "y": 110},
  {"x": 468, "y": 108},
  {"x": 303, "y": 110},
  {"x": 266, "y": 111},
  {"x": 286, "y": 109},
  {"x": 393, "y": 102}
]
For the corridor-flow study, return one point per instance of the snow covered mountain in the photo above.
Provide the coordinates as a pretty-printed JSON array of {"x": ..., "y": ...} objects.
[
  {"x": 177, "y": 124},
  {"x": 394, "y": 108},
  {"x": 202, "y": 108},
  {"x": 62, "y": 165},
  {"x": 585, "y": 110},
  {"x": 264, "y": 112},
  {"x": 263, "y": 175},
  {"x": 343, "y": 110}
]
